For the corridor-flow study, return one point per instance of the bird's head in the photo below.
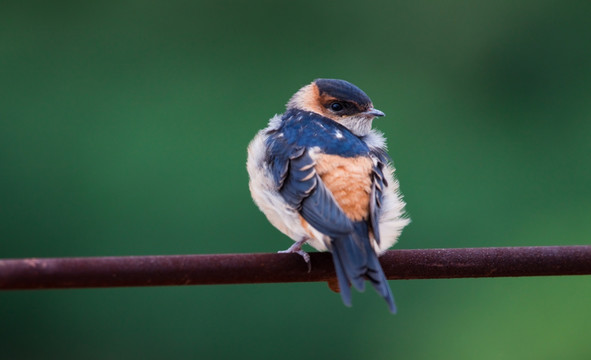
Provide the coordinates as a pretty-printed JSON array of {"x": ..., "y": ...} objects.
[{"x": 337, "y": 100}]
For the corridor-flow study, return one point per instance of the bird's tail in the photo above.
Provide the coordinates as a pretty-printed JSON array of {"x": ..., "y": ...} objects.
[{"x": 356, "y": 261}]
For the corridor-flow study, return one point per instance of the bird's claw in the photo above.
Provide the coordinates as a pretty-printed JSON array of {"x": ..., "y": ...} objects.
[{"x": 297, "y": 249}]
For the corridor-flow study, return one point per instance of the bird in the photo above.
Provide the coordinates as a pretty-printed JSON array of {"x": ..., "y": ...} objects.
[{"x": 322, "y": 176}]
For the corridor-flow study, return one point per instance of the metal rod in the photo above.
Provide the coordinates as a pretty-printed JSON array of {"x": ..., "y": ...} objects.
[{"x": 91, "y": 272}]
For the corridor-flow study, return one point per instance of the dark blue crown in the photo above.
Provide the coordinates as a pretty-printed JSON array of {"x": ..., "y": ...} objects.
[{"x": 342, "y": 90}]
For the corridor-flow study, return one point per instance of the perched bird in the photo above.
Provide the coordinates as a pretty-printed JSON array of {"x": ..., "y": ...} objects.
[{"x": 322, "y": 176}]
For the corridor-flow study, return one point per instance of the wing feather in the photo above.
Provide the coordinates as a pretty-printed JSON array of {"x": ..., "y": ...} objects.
[
  {"x": 302, "y": 188},
  {"x": 379, "y": 183}
]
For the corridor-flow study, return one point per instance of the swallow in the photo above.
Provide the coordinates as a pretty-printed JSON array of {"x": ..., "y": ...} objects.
[{"x": 322, "y": 176}]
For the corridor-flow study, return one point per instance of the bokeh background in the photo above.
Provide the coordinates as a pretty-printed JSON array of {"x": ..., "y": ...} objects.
[{"x": 123, "y": 131}]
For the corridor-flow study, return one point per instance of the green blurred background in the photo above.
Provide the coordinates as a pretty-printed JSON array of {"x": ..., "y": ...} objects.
[{"x": 123, "y": 131}]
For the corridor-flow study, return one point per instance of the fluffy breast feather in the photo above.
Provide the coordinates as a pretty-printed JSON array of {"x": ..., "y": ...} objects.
[{"x": 392, "y": 217}]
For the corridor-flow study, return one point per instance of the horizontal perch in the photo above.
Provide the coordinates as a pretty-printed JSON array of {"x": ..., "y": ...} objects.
[{"x": 92, "y": 272}]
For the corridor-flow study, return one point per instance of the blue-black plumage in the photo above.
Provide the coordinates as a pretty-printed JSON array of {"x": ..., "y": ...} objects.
[{"x": 356, "y": 261}]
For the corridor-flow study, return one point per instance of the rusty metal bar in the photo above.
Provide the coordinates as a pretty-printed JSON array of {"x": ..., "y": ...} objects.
[{"x": 91, "y": 272}]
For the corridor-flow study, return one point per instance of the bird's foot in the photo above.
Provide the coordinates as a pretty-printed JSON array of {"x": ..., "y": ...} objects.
[{"x": 296, "y": 248}]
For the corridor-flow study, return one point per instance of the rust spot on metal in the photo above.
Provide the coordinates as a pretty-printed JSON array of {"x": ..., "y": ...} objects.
[{"x": 333, "y": 285}]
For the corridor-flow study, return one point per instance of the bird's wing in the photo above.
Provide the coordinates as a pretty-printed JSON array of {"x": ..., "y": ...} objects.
[
  {"x": 302, "y": 188},
  {"x": 379, "y": 184}
]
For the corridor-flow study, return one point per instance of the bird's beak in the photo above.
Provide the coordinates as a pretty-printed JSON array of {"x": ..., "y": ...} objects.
[{"x": 374, "y": 112}]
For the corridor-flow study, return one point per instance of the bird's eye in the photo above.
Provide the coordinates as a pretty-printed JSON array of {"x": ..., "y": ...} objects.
[{"x": 336, "y": 106}]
